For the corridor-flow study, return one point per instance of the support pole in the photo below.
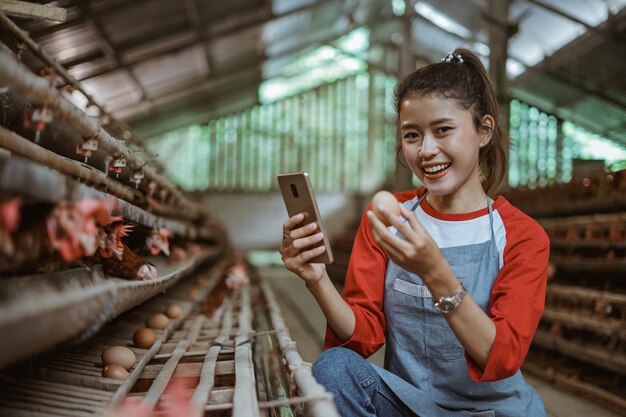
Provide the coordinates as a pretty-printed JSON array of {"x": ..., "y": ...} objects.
[{"x": 406, "y": 65}]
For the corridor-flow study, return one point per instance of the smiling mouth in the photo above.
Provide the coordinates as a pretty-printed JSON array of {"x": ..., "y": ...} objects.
[{"x": 436, "y": 169}]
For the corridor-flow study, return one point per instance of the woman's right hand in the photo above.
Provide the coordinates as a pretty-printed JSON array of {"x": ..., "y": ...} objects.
[{"x": 296, "y": 252}]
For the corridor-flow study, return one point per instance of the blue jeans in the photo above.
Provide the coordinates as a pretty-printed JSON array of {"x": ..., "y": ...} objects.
[{"x": 358, "y": 389}]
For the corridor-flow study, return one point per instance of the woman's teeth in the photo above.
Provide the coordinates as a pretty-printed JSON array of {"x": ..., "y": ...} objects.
[{"x": 436, "y": 168}]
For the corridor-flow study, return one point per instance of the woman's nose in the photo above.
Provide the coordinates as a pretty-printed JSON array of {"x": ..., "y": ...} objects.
[{"x": 428, "y": 148}]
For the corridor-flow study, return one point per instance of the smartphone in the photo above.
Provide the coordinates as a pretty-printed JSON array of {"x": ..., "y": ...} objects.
[{"x": 299, "y": 198}]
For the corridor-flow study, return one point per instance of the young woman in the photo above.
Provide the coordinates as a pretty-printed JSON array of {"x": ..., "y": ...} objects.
[{"x": 455, "y": 287}]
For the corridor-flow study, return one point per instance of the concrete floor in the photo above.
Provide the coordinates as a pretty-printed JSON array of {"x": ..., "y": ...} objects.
[{"x": 307, "y": 326}]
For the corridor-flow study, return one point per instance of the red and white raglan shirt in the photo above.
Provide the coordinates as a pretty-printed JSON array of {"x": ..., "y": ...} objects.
[{"x": 517, "y": 295}]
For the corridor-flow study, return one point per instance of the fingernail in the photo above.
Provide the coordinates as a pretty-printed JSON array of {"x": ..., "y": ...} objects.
[
  {"x": 381, "y": 208},
  {"x": 369, "y": 213}
]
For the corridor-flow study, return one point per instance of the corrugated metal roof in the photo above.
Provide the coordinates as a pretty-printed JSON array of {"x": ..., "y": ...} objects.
[{"x": 158, "y": 63}]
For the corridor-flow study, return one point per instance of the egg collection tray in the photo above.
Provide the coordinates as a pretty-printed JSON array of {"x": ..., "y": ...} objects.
[
  {"x": 41, "y": 311},
  {"x": 244, "y": 364}
]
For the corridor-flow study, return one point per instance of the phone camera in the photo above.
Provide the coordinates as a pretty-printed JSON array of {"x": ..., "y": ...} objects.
[{"x": 294, "y": 191}]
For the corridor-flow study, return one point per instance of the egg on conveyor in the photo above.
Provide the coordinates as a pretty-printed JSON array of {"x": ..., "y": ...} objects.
[
  {"x": 389, "y": 202},
  {"x": 118, "y": 355},
  {"x": 173, "y": 311},
  {"x": 144, "y": 338},
  {"x": 115, "y": 372},
  {"x": 157, "y": 321}
]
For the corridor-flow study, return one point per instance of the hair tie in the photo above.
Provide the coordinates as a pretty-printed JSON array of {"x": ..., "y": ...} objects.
[{"x": 451, "y": 58}]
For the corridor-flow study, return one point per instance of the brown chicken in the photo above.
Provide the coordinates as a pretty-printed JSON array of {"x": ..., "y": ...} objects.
[
  {"x": 129, "y": 266},
  {"x": 215, "y": 303},
  {"x": 67, "y": 232},
  {"x": 118, "y": 259}
]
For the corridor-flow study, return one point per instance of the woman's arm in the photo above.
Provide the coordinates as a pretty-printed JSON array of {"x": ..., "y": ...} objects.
[
  {"x": 496, "y": 343},
  {"x": 338, "y": 313},
  {"x": 296, "y": 257},
  {"x": 355, "y": 319},
  {"x": 470, "y": 324}
]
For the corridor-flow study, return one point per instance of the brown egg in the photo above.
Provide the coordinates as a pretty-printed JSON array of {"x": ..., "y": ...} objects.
[
  {"x": 118, "y": 355},
  {"x": 115, "y": 372},
  {"x": 389, "y": 202},
  {"x": 173, "y": 311},
  {"x": 158, "y": 321},
  {"x": 144, "y": 338}
]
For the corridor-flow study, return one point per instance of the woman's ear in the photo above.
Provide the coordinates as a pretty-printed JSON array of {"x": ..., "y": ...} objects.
[{"x": 486, "y": 130}]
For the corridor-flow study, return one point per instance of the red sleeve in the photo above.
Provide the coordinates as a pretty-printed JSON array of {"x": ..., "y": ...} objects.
[
  {"x": 363, "y": 291},
  {"x": 517, "y": 296}
]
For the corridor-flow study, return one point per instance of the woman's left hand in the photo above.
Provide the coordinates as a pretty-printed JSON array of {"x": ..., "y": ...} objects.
[{"x": 417, "y": 252}]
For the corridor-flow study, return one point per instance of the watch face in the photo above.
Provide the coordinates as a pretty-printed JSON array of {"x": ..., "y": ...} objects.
[{"x": 446, "y": 306}]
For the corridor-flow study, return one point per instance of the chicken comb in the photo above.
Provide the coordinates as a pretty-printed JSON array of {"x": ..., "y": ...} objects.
[
  {"x": 123, "y": 230},
  {"x": 10, "y": 213},
  {"x": 100, "y": 210}
]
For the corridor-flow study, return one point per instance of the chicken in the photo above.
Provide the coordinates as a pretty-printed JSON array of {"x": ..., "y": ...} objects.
[
  {"x": 110, "y": 240},
  {"x": 9, "y": 220},
  {"x": 118, "y": 259},
  {"x": 73, "y": 227},
  {"x": 158, "y": 241},
  {"x": 67, "y": 231},
  {"x": 129, "y": 266},
  {"x": 215, "y": 303}
]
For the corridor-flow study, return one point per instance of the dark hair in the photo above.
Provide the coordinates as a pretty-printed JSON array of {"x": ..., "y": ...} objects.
[{"x": 469, "y": 86}]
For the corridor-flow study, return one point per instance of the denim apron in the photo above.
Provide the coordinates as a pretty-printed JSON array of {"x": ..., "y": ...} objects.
[{"x": 425, "y": 364}]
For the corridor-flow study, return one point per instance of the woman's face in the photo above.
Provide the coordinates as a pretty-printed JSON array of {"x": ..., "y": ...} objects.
[{"x": 441, "y": 144}]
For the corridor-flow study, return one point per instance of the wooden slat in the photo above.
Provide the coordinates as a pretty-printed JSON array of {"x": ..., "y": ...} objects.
[
  {"x": 57, "y": 405},
  {"x": 160, "y": 382},
  {"x": 613, "y": 361},
  {"x": 209, "y": 367},
  {"x": 581, "y": 221},
  {"x": 69, "y": 390},
  {"x": 587, "y": 294},
  {"x": 605, "y": 327},
  {"x": 320, "y": 402},
  {"x": 215, "y": 274},
  {"x": 245, "y": 397},
  {"x": 33, "y": 11},
  {"x": 579, "y": 387},
  {"x": 28, "y": 409},
  {"x": 35, "y": 396},
  {"x": 190, "y": 369},
  {"x": 589, "y": 265},
  {"x": 71, "y": 378}
]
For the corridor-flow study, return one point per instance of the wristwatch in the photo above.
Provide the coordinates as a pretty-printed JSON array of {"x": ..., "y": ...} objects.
[{"x": 447, "y": 304}]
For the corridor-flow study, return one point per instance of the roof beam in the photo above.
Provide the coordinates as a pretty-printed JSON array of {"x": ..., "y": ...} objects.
[
  {"x": 108, "y": 45},
  {"x": 598, "y": 29},
  {"x": 229, "y": 27},
  {"x": 113, "y": 7},
  {"x": 32, "y": 11},
  {"x": 577, "y": 84}
]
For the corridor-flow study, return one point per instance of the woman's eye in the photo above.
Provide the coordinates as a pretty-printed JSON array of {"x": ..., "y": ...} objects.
[
  {"x": 443, "y": 129},
  {"x": 411, "y": 135}
]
